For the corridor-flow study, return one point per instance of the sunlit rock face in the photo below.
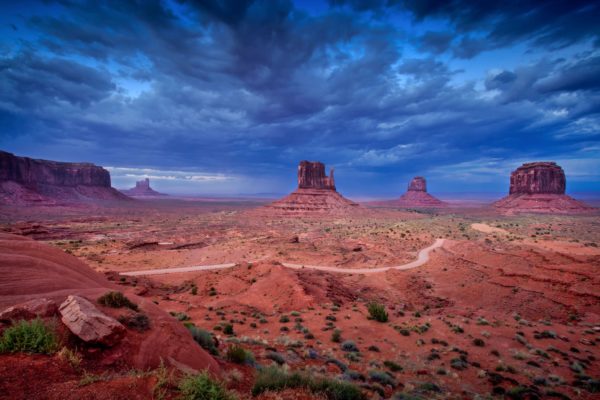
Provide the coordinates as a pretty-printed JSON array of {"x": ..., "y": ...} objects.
[
  {"x": 25, "y": 180},
  {"x": 539, "y": 187},
  {"x": 417, "y": 197},
  {"x": 418, "y": 184},
  {"x": 316, "y": 193}
]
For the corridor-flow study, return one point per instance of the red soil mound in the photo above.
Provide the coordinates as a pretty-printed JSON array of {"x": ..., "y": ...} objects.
[{"x": 30, "y": 270}]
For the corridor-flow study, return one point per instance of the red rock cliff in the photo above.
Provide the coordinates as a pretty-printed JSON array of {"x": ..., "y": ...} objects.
[
  {"x": 30, "y": 172},
  {"x": 311, "y": 175},
  {"x": 418, "y": 184},
  {"x": 538, "y": 177}
]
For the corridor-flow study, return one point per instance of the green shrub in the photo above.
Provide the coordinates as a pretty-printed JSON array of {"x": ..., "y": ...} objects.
[
  {"x": 275, "y": 356},
  {"x": 377, "y": 312},
  {"x": 276, "y": 379},
  {"x": 228, "y": 329},
  {"x": 382, "y": 377},
  {"x": 29, "y": 337},
  {"x": 392, "y": 366},
  {"x": 202, "y": 387},
  {"x": 237, "y": 354},
  {"x": 116, "y": 300},
  {"x": 336, "y": 336},
  {"x": 349, "y": 345},
  {"x": 204, "y": 339},
  {"x": 138, "y": 321},
  {"x": 284, "y": 319}
]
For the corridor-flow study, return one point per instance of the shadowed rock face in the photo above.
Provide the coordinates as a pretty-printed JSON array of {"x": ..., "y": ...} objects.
[
  {"x": 31, "y": 172},
  {"x": 538, "y": 177},
  {"x": 311, "y": 175},
  {"x": 418, "y": 184}
]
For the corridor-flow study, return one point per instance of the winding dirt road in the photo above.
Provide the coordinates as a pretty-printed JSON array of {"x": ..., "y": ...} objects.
[{"x": 422, "y": 258}]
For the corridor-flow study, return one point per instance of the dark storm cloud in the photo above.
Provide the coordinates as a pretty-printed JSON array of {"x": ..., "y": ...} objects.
[
  {"x": 248, "y": 88},
  {"x": 491, "y": 24}
]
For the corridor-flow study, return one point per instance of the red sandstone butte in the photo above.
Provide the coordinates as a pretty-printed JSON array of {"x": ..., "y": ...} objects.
[
  {"x": 539, "y": 187},
  {"x": 316, "y": 192},
  {"x": 417, "y": 197},
  {"x": 142, "y": 189},
  {"x": 25, "y": 180}
]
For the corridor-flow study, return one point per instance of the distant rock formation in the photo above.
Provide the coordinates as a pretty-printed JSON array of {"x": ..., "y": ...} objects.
[
  {"x": 539, "y": 187},
  {"x": 25, "y": 180},
  {"x": 416, "y": 196},
  {"x": 142, "y": 189},
  {"x": 316, "y": 192}
]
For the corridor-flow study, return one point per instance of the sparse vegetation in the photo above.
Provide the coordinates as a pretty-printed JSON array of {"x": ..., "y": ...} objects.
[
  {"x": 203, "y": 387},
  {"x": 377, "y": 312},
  {"x": 204, "y": 339},
  {"x": 237, "y": 354},
  {"x": 336, "y": 336},
  {"x": 29, "y": 337},
  {"x": 276, "y": 379},
  {"x": 116, "y": 299},
  {"x": 138, "y": 321}
]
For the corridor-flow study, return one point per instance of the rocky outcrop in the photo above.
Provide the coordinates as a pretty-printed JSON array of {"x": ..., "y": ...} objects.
[
  {"x": 33, "y": 270},
  {"x": 29, "y": 310},
  {"x": 25, "y": 180},
  {"x": 142, "y": 189},
  {"x": 88, "y": 323},
  {"x": 316, "y": 193},
  {"x": 415, "y": 197},
  {"x": 539, "y": 187}
]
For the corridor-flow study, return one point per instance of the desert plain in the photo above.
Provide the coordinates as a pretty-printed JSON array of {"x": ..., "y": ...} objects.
[{"x": 505, "y": 306}]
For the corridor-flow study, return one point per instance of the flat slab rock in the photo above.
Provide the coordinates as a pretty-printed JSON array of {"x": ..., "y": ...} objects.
[
  {"x": 90, "y": 324},
  {"x": 29, "y": 310}
]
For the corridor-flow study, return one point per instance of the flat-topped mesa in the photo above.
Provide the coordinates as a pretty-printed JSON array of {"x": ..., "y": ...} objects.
[
  {"x": 31, "y": 172},
  {"x": 539, "y": 187},
  {"x": 311, "y": 175},
  {"x": 538, "y": 177},
  {"x": 316, "y": 193},
  {"x": 417, "y": 184},
  {"x": 25, "y": 180}
]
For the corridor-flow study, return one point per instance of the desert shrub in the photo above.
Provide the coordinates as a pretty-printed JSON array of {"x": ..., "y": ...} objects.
[
  {"x": 349, "y": 345},
  {"x": 29, "y": 337},
  {"x": 392, "y": 366},
  {"x": 239, "y": 355},
  {"x": 382, "y": 377},
  {"x": 228, "y": 329},
  {"x": 180, "y": 316},
  {"x": 284, "y": 319},
  {"x": 478, "y": 342},
  {"x": 116, "y": 300},
  {"x": 336, "y": 336},
  {"x": 275, "y": 356},
  {"x": 72, "y": 357},
  {"x": 374, "y": 349},
  {"x": 138, "y": 321},
  {"x": 204, "y": 339},
  {"x": 203, "y": 387},
  {"x": 377, "y": 312},
  {"x": 276, "y": 379}
]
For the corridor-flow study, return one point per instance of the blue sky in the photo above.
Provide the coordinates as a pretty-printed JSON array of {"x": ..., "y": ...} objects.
[{"x": 224, "y": 97}]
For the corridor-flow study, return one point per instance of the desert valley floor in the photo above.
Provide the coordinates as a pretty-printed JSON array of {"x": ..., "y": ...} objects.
[{"x": 506, "y": 306}]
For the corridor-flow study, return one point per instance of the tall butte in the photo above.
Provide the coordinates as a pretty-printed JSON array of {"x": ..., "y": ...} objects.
[
  {"x": 316, "y": 192},
  {"x": 539, "y": 187},
  {"x": 417, "y": 196},
  {"x": 142, "y": 189}
]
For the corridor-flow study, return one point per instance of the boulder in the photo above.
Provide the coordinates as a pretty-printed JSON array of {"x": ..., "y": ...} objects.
[
  {"x": 90, "y": 324},
  {"x": 31, "y": 309}
]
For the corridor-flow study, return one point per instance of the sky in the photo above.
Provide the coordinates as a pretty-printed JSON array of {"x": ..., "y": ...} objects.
[{"x": 225, "y": 97}]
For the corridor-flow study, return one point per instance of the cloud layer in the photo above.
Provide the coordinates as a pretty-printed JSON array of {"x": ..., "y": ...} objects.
[{"x": 382, "y": 90}]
